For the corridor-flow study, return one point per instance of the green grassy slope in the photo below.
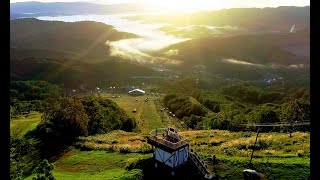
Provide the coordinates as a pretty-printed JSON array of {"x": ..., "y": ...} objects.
[
  {"x": 280, "y": 158},
  {"x": 21, "y": 125},
  {"x": 84, "y": 165},
  {"x": 106, "y": 156},
  {"x": 147, "y": 116}
]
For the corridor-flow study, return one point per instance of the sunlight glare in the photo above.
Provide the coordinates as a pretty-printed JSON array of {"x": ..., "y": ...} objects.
[{"x": 189, "y": 5}]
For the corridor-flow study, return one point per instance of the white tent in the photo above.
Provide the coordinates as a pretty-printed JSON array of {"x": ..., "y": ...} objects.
[{"x": 137, "y": 91}]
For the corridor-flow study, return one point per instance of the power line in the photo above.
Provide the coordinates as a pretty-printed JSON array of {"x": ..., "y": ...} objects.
[{"x": 277, "y": 124}]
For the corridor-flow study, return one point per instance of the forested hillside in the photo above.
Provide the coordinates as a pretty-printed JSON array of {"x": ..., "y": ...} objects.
[
  {"x": 257, "y": 19},
  {"x": 31, "y": 37}
]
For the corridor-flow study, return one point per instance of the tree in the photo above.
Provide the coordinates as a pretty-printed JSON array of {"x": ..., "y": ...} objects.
[
  {"x": 104, "y": 115},
  {"x": 16, "y": 165},
  {"x": 43, "y": 171},
  {"x": 295, "y": 111},
  {"x": 216, "y": 124},
  {"x": 192, "y": 121},
  {"x": 23, "y": 156},
  {"x": 13, "y": 112},
  {"x": 65, "y": 117},
  {"x": 238, "y": 121},
  {"x": 212, "y": 105},
  {"x": 245, "y": 92},
  {"x": 129, "y": 124},
  {"x": 267, "y": 113}
]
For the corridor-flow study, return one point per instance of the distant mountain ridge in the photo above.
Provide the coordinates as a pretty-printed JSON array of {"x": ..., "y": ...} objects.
[
  {"x": 33, "y": 8},
  {"x": 258, "y": 57},
  {"x": 260, "y": 48},
  {"x": 68, "y": 53},
  {"x": 255, "y": 19}
]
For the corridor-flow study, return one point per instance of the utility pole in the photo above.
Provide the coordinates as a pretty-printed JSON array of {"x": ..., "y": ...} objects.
[
  {"x": 250, "y": 164},
  {"x": 291, "y": 128}
]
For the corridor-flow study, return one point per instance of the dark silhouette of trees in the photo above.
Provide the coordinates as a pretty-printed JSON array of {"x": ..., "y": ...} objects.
[
  {"x": 43, "y": 171},
  {"x": 65, "y": 118}
]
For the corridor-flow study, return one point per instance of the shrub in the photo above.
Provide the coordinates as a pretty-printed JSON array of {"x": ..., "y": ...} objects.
[
  {"x": 231, "y": 151},
  {"x": 263, "y": 144},
  {"x": 215, "y": 143},
  {"x": 212, "y": 105},
  {"x": 287, "y": 150},
  {"x": 65, "y": 117},
  {"x": 114, "y": 142},
  {"x": 24, "y": 156},
  {"x": 287, "y": 144},
  {"x": 43, "y": 171},
  {"x": 105, "y": 116},
  {"x": 247, "y": 134},
  {"x": 244, "y": 153},
  {"x": 124, "y": 149},
  {"x": 241, "y": 146},
  {"x": 269, "y": 152},
  {"x": 300, "y": 153},
  {"x": 133, "y": 174}
]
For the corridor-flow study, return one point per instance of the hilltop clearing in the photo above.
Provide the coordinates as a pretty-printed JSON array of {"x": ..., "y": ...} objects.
[{"x": 123, "y": 154}]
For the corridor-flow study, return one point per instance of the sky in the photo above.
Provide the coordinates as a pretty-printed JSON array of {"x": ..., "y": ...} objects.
[{"x": 186, "y": 5}]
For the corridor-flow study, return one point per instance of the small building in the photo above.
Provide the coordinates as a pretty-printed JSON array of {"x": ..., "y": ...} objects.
[
  {"x": 169, "y": 148},
  {"x": 137, "y": 92},
  {"x": 173, "y": 151}
]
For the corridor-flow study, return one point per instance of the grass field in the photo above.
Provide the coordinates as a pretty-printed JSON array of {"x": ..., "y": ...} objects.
[
  {"x": 116, "y": 141},
  {"x": 167, "y": 119},
  {"x": 240, "y": 143},
  {"x": 106, "y": 156},
  {"x": 277, "y": 156},
  {"x": 146, "y": 116},
  {"x": 83, "y": 165},
  {"x": 20, "y": 126}
]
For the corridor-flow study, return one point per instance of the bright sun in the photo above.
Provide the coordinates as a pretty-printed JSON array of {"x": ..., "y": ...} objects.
[{"x": 188, "y": 5}]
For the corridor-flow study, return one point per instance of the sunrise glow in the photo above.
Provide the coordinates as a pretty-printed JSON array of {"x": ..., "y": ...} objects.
[
  {"x": 189, "y": 5},
  {"x": 192, "y": 5}
]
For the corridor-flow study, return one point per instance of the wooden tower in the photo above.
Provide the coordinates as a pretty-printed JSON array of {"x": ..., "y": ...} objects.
[
  {"x": 168, "y": 147},
  {"x": 173, "y": 150}
]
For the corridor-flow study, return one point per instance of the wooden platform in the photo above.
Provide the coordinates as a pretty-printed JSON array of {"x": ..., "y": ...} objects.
[
  {"x": 156, "y": 141},
  {"x": 171, "y": 143}
]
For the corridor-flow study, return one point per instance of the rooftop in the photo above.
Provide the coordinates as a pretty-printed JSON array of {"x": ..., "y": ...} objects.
[{"x": 137, "y": 90}]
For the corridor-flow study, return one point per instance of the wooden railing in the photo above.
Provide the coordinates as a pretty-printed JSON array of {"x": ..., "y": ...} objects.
[
  {"x": 200, "y": 164},
  {"x": 167, "y": 143},
  {"x": 156, "y": 135}
]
